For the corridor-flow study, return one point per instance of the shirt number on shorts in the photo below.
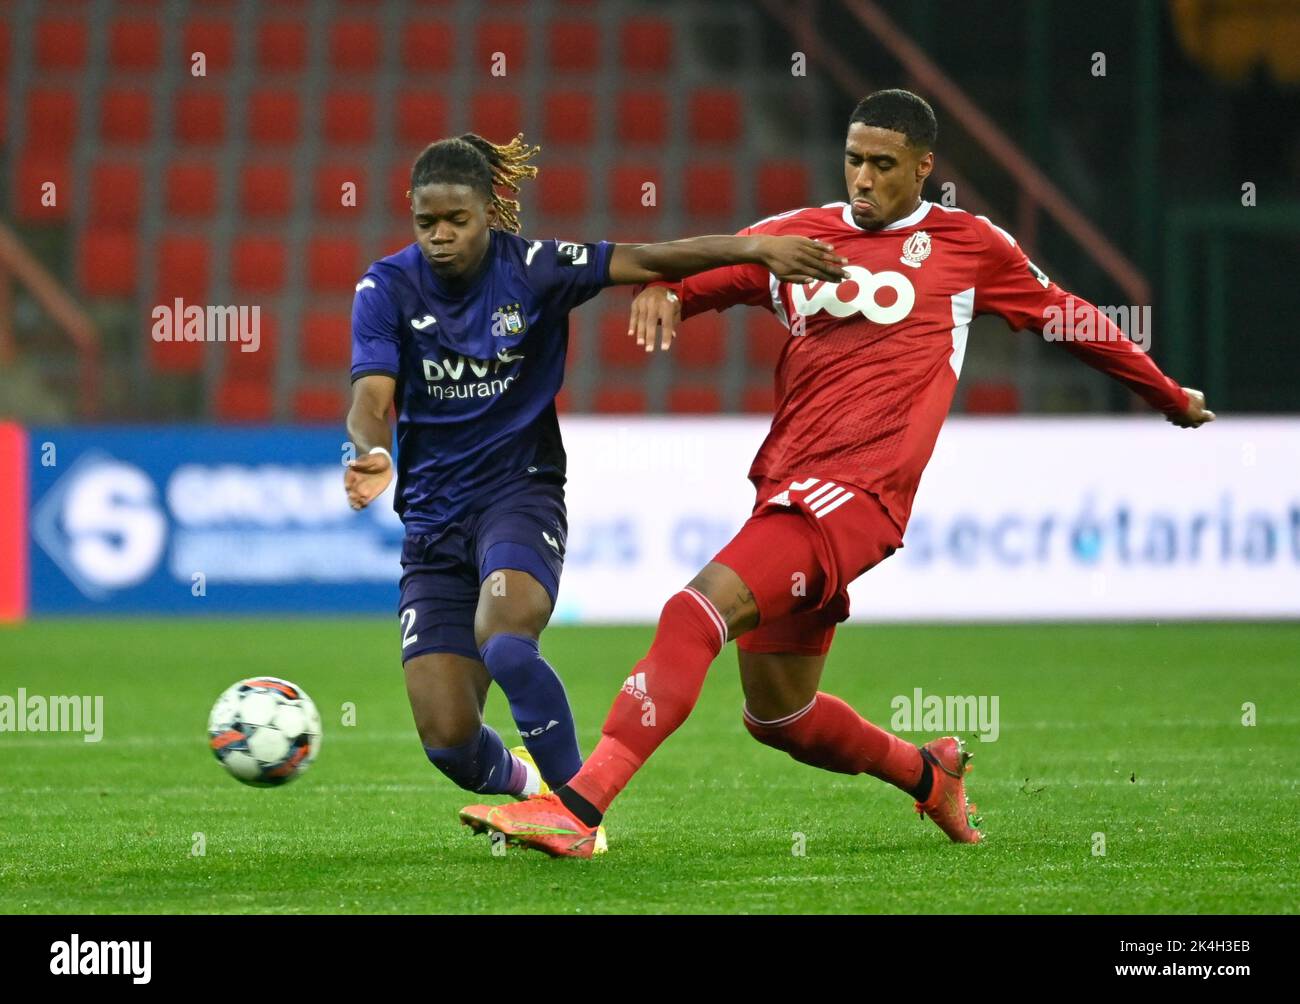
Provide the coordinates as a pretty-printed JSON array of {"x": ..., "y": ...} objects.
[{"x": 408, "y": 626}]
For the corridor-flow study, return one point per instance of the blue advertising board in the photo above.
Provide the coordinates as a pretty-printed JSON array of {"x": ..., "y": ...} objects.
[{"x": 201, "y": 520}]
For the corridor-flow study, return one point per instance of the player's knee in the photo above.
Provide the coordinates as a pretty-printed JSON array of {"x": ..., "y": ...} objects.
[{"x": 523, "y": 616}]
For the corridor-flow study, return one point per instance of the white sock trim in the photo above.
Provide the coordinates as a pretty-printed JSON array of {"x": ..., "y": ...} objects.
[
  {"x": 712, "y": 611},
  {"x": 780, "y": 722},
  {"x": 532, "y": 778}
]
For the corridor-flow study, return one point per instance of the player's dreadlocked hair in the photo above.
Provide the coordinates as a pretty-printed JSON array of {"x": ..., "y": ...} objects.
[
  {"x": 899, "y": 111},
  {"x": 484, "y": 166}
]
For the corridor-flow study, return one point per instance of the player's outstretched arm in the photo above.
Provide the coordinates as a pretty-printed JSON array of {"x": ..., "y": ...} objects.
[
  {"x": 366, "y": 477},
  {"x": 1016, "y": 289},
  {"x": 789, "y": 258}
]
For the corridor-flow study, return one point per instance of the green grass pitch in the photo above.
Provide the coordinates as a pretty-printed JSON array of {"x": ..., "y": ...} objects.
[{"x": 1134, "y": 732}]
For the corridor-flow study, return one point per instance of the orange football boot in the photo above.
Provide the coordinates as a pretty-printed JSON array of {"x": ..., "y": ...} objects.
[
  {"x": 541, "y": 822},
  {"x": 946, "y": 805}
]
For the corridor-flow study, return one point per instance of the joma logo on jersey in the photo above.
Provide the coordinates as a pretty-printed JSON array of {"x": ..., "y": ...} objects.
[
  {"x": 450, "y": 370},
  {"x": 866, "y": 297}
]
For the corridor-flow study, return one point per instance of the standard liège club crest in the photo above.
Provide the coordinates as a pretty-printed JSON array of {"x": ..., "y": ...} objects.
[
  {"x": 916, "y": 249},
  {"x": 508, "y": 320}
]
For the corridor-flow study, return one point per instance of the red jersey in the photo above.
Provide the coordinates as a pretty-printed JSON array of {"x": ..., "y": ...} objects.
[{"x": 868, "y": 375}]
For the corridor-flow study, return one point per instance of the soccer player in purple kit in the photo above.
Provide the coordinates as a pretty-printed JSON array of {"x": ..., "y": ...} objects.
[{"x": 466, "y": 331}]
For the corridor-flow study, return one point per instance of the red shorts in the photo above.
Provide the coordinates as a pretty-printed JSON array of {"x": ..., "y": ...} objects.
[{"x": 806, "y": 540}]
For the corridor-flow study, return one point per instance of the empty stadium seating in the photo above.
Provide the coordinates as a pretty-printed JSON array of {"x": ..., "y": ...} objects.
[{"x": 200, "y": 186}]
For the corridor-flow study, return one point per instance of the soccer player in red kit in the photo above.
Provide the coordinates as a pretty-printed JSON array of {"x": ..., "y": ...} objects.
[{"x": 863, "y": 385}]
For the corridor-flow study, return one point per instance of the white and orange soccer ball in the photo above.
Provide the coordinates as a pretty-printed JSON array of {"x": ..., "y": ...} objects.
[{"x": 265, "y": 731}]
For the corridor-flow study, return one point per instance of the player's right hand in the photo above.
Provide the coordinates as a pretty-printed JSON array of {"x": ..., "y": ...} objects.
[
  {"x": 1196, "y": 414},
  {"x": 365, "y": 479},
  {"x": 655, "y": 307},
  {"x": 801, "y": 259}
]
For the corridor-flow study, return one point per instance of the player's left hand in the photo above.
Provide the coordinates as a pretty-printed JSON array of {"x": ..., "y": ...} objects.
[
  {"x": 655, "y": 307},
  {"x": 1196, "y": 414},
  {"x": 365, "y": 479}
]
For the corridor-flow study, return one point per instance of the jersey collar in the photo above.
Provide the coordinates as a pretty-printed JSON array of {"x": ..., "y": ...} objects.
[{"x": 911, "y": 220}]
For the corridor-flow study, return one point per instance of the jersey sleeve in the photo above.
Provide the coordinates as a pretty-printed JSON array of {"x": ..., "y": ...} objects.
[
  {"x": 720, "y": 288},
  {"x": 567, "y": 273},
  {"x": 1014, "y": 288},
  {"x": 375, "y": 330}
]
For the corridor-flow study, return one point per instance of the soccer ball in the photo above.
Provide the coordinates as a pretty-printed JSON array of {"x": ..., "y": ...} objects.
[{"x": 265, "y": 731}]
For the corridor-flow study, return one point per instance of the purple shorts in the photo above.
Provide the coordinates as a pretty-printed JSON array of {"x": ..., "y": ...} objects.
[{"x": 523, "y": 529}]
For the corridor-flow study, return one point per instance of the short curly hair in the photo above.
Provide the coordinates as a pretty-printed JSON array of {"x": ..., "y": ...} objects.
[{"x": 899, "y": 111}]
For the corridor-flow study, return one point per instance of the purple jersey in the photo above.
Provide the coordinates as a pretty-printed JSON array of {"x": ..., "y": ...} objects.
[{"x": 477, "y": 370}]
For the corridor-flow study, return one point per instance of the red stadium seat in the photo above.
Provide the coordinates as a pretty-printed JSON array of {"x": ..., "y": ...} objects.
[
  {"x": 282, "y": 45},
  {"x": 135, "y": 44},
  {"x": 617, "y": 347},
  {"x": 258, "y": 265},
  {"x": 782, "y": 185},
  {"x": 765, "y": 338},
  {"x": 126, "y": 115},
  {"x": 33, "y": 173},
  {"x": 4, "y": 49},
  {"x": 421, "y": 119},
  {"x": 498, "y": 117},
  {"x": 51, "y": 120},
  {"x": 992, "y": 398},
  {"x": 428, "y": 46},
  {"x": 199, "y": 118},
  {"x": 183, "y": 269},
  {"x": 642, "y": 117},
  {"x": 568, "y": 117},
  {"x": 326, "y": 339},
  {"x": 4, "y": 102},
  {"x": 244, "y": 400},
  {"x": 711, "y": 191},
  {"x": 115, "y": 188},
  {"x": 256, "y": 365},
  {"x": 701, "y": 399},
  {"x": 627, "y": 191},
  {"x": 106, "y": 262},
  {"x": 321, "y": 404},
  {"x": 760, "y": 398},
  {"x": 701, "y": 340},
  {"x": 646, "y": 44},
  {"x": 573, "y": 46},
  {"x": 61, "y": 43},
  {"x": 334, "y": 264},
  {"x": 349, "y": 117},
  {"x": 510, "y": 38},
  {"x": 191, "y": 189},
  {"x": 274, "y": 117},
  {"x": 215, "y": 38},
  {"x": 562, "y": 190},
  {"x": 329, "y": 190},
  {"x": 714, "y": 115},
  {"x": 266, "y": 190},
  {"x": 620, "y": 400},
  {"x": 355, "y": 45},
  {"x": 564, "y": 401}
]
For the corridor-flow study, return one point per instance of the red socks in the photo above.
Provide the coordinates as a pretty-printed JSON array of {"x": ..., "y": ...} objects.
[
  {"x": 656, "y": 698},
  {"x": 831, "y": 735}
]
